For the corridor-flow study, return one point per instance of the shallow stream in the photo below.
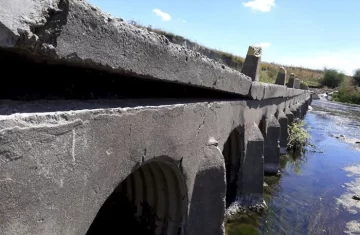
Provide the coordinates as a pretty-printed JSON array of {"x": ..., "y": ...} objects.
[{"x": 314, "y": 193}]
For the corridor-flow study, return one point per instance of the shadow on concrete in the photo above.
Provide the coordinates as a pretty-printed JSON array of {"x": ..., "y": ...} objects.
[
  {"x": 233, "y": 154},
  {"x": 151, "y": 200},
  {"x": 38, "y": 78},
  {"x": 207, "y": 202}
]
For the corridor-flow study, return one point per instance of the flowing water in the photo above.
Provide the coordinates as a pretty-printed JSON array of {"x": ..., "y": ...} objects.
[{"x": 314, "y": 193}]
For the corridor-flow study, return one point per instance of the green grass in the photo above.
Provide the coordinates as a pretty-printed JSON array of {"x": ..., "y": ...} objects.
[
  {"x": 348, "y": 91},
  {"x": 348, "y": 94},
  {"x": 313, "y": 83},
  {"x": 242, "y": 229},
  {"x": 298, "y": 136}
]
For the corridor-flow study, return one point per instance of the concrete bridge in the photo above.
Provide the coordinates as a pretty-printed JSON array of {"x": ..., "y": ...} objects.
[{"x": 106, "y": 128}]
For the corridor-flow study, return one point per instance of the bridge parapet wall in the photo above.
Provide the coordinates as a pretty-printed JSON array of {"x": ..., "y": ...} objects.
[{"x": 105, "y": 120}]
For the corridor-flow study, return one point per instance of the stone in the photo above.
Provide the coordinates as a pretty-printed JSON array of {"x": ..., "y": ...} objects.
[
  {"x": 281, "y": 77},
  {"x": 252, "y": 63}
]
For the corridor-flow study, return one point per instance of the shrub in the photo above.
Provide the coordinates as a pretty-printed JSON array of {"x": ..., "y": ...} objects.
[
  {"x": 298, "y": 135},
  {"x": 332, "y": 78},
  {"x": 357, "y": 77},
  {"x": 348, "y": 94}
]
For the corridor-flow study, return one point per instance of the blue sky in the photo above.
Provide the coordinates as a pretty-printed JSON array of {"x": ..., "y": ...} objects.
[{"x": 309, "y": 33}]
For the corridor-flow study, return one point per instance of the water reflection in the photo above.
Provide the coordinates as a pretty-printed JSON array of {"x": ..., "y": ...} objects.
[{"x": 314, "y": 193}]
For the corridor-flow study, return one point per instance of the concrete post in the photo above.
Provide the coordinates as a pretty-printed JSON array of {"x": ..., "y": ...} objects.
[
  {"x": 252, "y": 63},
  {"x": 297, "y": 83},
  {"x": 281, "y": 77},
  {"x": 291, "y": 81},
  {"x": 271, "y": 146},
  {"x": 283, "y": 121}
]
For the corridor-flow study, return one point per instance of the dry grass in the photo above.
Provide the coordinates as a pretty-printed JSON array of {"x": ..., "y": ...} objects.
[
  {"x": 309, "y": 76},
  {"x": 268, "y": 72}
]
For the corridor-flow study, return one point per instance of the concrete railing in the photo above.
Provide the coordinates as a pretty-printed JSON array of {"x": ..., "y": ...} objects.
[{"x": 106, "y": 127}]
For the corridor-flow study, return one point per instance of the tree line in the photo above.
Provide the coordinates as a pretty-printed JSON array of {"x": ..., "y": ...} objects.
[{"x": 348, "y": 87}]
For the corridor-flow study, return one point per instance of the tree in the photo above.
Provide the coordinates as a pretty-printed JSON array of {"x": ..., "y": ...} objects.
[
  {"x": 357, "y": 77},
  {"x": 332, "y": 78}
]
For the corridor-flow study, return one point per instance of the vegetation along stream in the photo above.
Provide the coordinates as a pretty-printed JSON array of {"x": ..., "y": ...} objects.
[{"x": 314, "y": 194}]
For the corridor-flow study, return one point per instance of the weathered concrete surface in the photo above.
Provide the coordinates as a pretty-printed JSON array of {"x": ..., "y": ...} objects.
[
  {"x": 62, "y": 160},
  {"x": 295, "y": 111},
  {"x": 283, "y": 121},
  {"x": 58, "y": 168},
  {"x": 262, "y": 91},
  {"x": 249, "y": 193},
  {"x": 271, "y": 145},
  {"x": 281, "y": 77},
  {"x": 289, "y": 115},
  {"x": 291, "y": 81},
  {"x": 252, "y": 63},
  {"x": 77, "y": 32}
]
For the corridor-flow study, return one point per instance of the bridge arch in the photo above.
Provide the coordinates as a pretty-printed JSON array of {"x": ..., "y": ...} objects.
[{"x": 151, "y": 200}]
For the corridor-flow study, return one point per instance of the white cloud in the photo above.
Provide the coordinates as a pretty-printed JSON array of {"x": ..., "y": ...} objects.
[
  {"x": 163, "y": 15},
  {"x": 263, "y": 45},
  {"x": 346, "y": 60},
  {"x": 260, "y": 5}
]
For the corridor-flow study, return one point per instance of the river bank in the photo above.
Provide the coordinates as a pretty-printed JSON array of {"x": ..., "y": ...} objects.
[{"x": 314, "y": 194}]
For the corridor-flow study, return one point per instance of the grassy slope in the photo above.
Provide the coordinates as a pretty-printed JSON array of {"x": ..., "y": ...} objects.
[{"x": 268, "y": 70}]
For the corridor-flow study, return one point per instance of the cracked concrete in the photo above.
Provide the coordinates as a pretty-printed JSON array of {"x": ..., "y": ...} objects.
[
  {"x": 60, "y": 160},
  {"x": 77, "y": 157},
  {"x": 76, "y": 32}
]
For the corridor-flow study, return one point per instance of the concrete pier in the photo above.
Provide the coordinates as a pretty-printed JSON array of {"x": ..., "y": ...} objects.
[
  {"x": 272, "y": 145},
  {"x": 283, "y": 121}
]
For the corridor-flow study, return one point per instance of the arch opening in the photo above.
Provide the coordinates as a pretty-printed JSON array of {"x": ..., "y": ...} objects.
[
  {"x": 152, "y": 200},
  {"x": 233, "y": 153}
]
